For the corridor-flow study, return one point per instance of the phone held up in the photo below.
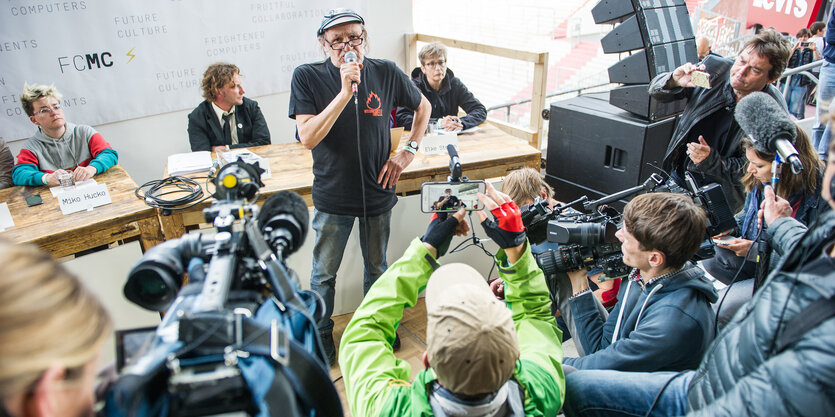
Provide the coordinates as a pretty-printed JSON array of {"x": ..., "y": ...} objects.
[{"x": 437, "y": 197}]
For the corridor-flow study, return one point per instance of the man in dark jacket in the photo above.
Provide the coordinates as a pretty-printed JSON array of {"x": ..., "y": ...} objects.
[
  {"x": 444, "y": 91},
  {"x": 774, "y": 358},
  {"x": 663, "y": 319},
  {"x": 226, "y": 119},
  {"x": 706, "y": 138}
]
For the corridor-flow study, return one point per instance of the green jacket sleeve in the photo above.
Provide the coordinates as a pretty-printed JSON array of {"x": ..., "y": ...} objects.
[
  {"x": 369, "y": 367},
  {"x": 527, "y": 296}
]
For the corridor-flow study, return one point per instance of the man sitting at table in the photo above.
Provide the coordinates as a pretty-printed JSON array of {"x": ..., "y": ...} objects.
[
  {"x": 58, "y": 146},
  {"x": 226, "y": 119},
  {"x": 444, "y": 91}
]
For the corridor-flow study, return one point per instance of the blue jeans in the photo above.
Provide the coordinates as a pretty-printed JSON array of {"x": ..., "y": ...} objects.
[
  {"x": 613, "y": 393},
  {"x": 826, "y": 91},
  {"x": 332, "y": 231},
  {"x": 796, "y": 101}
]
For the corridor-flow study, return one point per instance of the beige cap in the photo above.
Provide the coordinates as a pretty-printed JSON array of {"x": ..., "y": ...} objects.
[{"x": 472, "y": 343}]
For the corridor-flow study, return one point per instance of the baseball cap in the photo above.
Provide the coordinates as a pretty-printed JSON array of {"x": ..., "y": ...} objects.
[
  {"x": 337, "y": 17},
  {"x": 471, "y": 338}
]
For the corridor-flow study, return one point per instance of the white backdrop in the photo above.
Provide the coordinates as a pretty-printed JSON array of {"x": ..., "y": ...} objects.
[{"x": 119, "y": 60}]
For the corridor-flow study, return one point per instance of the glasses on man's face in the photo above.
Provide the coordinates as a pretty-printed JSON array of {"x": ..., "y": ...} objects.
[
  {"x": 338, "y": 46},
  {"x": 435, "y": 64},
  {"x": 49, "y": 110}
]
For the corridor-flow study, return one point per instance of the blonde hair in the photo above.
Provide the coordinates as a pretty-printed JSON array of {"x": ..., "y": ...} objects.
[
  {"x": 434, "y": 49},
  {"x": 47, "y": 317},
  {"x": 525, "y": 184},
  {"x": 217, "y": 76},
  {"x": 35, "y": 92}
]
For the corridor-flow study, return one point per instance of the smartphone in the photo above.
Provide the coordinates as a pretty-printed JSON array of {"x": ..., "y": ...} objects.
[
  {"x": 804, "y": 44},
  {"x": 724, "y": 240},
  {"x": 437, "y": 197},
  {"x": 34, "y": 200}
]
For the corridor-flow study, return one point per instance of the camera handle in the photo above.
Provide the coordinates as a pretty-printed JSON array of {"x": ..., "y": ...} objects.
[{"x": 649, "y": 185}]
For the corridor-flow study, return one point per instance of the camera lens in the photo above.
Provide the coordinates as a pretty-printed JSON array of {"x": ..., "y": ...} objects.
[{"x": 151, "y": 287}]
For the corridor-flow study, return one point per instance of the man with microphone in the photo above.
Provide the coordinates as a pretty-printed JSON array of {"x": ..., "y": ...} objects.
[
  {"x": 342, "y": 107},
  {"x": 706, "y": 138}
]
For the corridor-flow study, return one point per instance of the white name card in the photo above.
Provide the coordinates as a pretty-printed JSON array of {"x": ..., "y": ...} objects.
[
  {"x": 436, "y": 144},
  {"x": 5, "y": 217},
  {"x": 84, "y": 198}
]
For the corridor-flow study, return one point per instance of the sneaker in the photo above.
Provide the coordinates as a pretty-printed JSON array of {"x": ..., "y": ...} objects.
[
  {"x": 330, "y": 349},
  {"x": 396, "y": 345}
]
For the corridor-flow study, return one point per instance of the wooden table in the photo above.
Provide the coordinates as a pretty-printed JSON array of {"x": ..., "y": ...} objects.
[
  {"x": 487, "y": 153},
  {"x": 45, "y": 225}
]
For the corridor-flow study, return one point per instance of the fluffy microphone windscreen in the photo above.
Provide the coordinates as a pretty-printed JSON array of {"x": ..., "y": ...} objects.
[
  {"x": 764, "y": 120},
  {"x": 285, "y": 202}
]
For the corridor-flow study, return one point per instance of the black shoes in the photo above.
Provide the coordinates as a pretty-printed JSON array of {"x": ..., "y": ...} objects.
[
  {"x": 396, "y": 345},
  {"x": 330, "y": 349}
]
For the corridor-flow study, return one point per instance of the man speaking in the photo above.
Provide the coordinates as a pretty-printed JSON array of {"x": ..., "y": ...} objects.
[{"x": 341, "y": 106}]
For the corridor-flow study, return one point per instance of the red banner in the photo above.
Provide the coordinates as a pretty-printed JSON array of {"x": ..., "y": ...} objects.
[{"x": 785, "y": 15}]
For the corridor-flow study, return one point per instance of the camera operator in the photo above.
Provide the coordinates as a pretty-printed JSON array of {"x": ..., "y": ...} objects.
[
  {"x": 524, "y": 186},
  {"x": 484, "y": 357},
  {"x": 663, "y": 319},
  {"x": 777, "y": 356},
  {"x": 51, "y": 333}
]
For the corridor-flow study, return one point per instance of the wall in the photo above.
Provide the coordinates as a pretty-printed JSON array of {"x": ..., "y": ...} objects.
[{"x": 145, "y": 143}]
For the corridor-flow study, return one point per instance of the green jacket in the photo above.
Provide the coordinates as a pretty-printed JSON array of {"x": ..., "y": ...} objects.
[{"x": 377, "y": 383}]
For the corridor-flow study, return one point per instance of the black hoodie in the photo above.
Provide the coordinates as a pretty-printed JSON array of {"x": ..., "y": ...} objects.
[{"x": 453, "y": 93}]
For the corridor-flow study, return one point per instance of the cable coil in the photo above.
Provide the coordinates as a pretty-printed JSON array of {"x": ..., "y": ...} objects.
[{"x": 153, "y": 192}]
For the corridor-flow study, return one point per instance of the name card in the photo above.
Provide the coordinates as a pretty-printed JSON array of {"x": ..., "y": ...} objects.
[
  {"x": 436, "y": 144},
  {"x": 5, "y": 217},
  {"x": 85, "y": 198}
]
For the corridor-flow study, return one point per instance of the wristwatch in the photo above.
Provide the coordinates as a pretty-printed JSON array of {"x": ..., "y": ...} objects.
[{"x": 411, "y": 146}]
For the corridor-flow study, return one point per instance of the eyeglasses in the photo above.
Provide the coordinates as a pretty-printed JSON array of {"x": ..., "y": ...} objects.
[
  {"x": 438, "y": 63},
  {"x": 48, "y": 110},
  {"x": 338, "y": 46}
]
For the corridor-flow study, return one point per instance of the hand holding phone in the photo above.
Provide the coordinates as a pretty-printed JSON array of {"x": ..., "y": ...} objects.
[{"x": 449, "y": 197}]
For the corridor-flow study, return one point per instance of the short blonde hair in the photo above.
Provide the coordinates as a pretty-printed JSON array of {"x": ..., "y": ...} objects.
[
  {"x": 47, "y": 317},
  {"x": 525, "y": 184},
  {"x": 434, "y": 49},
  {"x": 35, "y": 92}
]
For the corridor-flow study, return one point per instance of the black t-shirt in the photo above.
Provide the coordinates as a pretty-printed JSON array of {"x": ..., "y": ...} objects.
[{"x": 335, "y": 159}]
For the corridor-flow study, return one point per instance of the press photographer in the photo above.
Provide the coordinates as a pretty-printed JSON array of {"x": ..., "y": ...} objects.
[
  {"x": 239, "y": 337},
  {"x": 663, "y": 319},
  {"x": 484, "y": 357}
]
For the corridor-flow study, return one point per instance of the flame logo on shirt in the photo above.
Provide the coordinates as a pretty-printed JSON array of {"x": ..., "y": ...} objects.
[{"x": 373, "y": 104}]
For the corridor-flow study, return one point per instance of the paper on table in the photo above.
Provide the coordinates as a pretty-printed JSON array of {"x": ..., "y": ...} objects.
[
  {"x": 5, "y": 217},
  {"x": 250, "y": 158},
  {"x": 189, "y": 163},
  {"x": 472, "y": 129}
]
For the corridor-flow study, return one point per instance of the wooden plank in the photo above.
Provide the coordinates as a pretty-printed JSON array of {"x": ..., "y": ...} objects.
[
  {"x": 411, "y": 52},
  {"x": 483, "y": 48},
  {"x": 512, "y": 130},
  {"x": 540, "y": 83},
  {"x": 46, "y": 226}
]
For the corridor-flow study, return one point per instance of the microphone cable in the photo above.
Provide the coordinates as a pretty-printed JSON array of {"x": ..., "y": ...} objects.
[
  {"x": 364, "y": 221},
  {"x": 153, "y": 193}
]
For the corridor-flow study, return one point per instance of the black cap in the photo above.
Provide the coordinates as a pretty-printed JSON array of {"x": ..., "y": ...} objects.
[{"x": 338, "y": 17}]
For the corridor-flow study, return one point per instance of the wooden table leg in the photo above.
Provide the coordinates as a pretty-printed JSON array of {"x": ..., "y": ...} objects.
[
  {"x": 172, "y": 225},
  {"x": 150, "y": 233}
]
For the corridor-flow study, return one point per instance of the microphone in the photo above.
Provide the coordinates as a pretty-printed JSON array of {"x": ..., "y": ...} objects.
[
  {"x": 283, "y": 221},
  {"x": 455, "y": 169},
  {"x": 759, "y": 115},
  {"x": 351, "y": 56}
]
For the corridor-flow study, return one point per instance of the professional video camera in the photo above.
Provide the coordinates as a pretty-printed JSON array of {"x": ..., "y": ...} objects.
[
  {"x": 239, "y": 338},
  {"x": 588, "y": 240}
]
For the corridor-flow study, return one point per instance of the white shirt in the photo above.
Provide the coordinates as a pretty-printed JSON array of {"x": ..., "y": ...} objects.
[{"x": 220, "y": 113}]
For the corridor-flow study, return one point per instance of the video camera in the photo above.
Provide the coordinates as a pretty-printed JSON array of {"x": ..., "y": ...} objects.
[
  {"x": 588, "y": 240},
  {"x": 239, "y": 337}
]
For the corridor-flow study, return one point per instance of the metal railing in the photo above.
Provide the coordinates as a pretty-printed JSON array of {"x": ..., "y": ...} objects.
[
  {"x": 800, "y": 71},
  {"x": 509, "y": 105}
]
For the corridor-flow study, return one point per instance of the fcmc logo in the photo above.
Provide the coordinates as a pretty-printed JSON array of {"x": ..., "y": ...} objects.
[{"x": 86, "y": 62}]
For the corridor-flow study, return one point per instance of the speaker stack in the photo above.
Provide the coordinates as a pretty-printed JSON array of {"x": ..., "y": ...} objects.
[{"x": 602, "y": 143}]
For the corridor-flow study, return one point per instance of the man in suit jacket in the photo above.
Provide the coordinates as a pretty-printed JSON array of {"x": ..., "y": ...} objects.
[{"x": 226, "y": 119}]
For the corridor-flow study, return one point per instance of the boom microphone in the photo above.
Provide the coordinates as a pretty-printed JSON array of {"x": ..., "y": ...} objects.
[
  {"x": 351, "y": 56},
  {"x": 769, "y": 125},
  {"x": 283, "y": 221}
]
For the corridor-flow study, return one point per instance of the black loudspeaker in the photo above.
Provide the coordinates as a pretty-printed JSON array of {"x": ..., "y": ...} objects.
[
  {"x": 649, "y": 27},
  {"x": 597, "y": 149},
  {"x": 616, "y": 11},
  {"x": 642, "y": 66},
  {"x": 637, "y": 100},
  {"x": 660, "y": 33}
]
